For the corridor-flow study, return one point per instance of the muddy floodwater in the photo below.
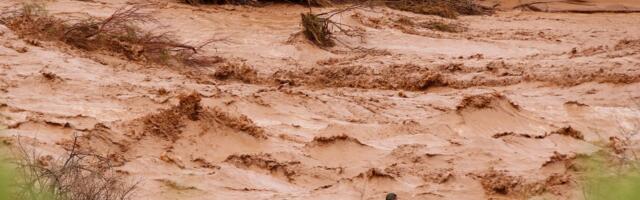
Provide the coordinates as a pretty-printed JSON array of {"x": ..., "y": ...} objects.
[{"x": 498, "y": 107}]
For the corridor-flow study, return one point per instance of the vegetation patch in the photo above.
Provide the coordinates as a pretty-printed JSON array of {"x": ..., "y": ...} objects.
[
  {"x": 118, "y": 33},
  {"x": 320, "y": 29},
  {"x": 77, "y": 175},
  {"x": 316, "y": 29}
]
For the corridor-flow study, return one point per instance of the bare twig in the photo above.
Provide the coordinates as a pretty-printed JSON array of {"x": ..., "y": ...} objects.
[
  {"x": 319, "y": 28},
  {"x": 118, "y": 33},
  {"x": 76, "y": 176}
]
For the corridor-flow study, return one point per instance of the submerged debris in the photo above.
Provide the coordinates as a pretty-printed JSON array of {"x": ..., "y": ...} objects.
[{"x": 316, "y": 29}]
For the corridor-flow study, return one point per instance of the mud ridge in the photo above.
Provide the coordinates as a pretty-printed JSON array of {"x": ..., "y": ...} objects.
[
  {"x": 565, "y": 131},
  {"x": 375, "y": 173},
  {"x": 407, "y": 77},
  {"x": 501, "y": 184},
  {"x": 559, "y": 158},
  {"x": 323, "y": 141},
  {"x": 241, "y": 122},
  {"x": 628, "y": 44},
  {"x": 483, "y": 101},
  {"x": 412, "y": 77},
  {"x": 568, "y": 131},
  {"x": 264, "y": 161},
  {"x": 168, "y": 123},
  {"x": 524, "y": 135}
]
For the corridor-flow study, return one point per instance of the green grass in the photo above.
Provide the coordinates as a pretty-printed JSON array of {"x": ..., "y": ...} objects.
[
  {"x": 620, "y": 187},
  {"x": 5, "y": 181},
  {"x": 603, "y": 182},
  {"x": 9, "y": 175},
  {"x": 6, "y": 173}
]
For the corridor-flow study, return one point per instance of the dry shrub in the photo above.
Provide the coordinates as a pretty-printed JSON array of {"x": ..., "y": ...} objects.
[
  {"x": 316, "y": 29},
  {"x": 75, "y": 176},
  {"x": 32, "y": 20},
  {"x": 442, "y": 8},
  {"x": 319, "y": 28},
  {"x": 118, "y": 33}
]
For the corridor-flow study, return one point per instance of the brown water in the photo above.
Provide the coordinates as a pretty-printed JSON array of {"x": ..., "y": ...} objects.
[{"x": 516, "y": 96}]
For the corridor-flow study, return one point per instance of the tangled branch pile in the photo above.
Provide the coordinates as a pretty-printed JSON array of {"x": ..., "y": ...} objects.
[
  {"x": 117, "y": 33},
  {"x": 316, "y": 29},
  {"x": 319, "y": 28},
  {"x": 76, "y": 176}
]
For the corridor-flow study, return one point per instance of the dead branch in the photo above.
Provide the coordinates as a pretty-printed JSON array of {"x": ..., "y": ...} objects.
[{"x": 77, "y": 175}]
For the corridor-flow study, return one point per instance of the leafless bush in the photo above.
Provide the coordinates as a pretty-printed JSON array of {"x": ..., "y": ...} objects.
[
  {"x": 320, "y": 29},
  {"x": 75, "y": 176},
  {"x": 624, "y": 146},
  {"x": 316, "y": 29},
  {"x": 31, "y": 20},
  {"x": 118, "y": 33}
]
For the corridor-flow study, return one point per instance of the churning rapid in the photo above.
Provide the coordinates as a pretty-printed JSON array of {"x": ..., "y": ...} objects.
[{"x": 499, "y": 105}]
